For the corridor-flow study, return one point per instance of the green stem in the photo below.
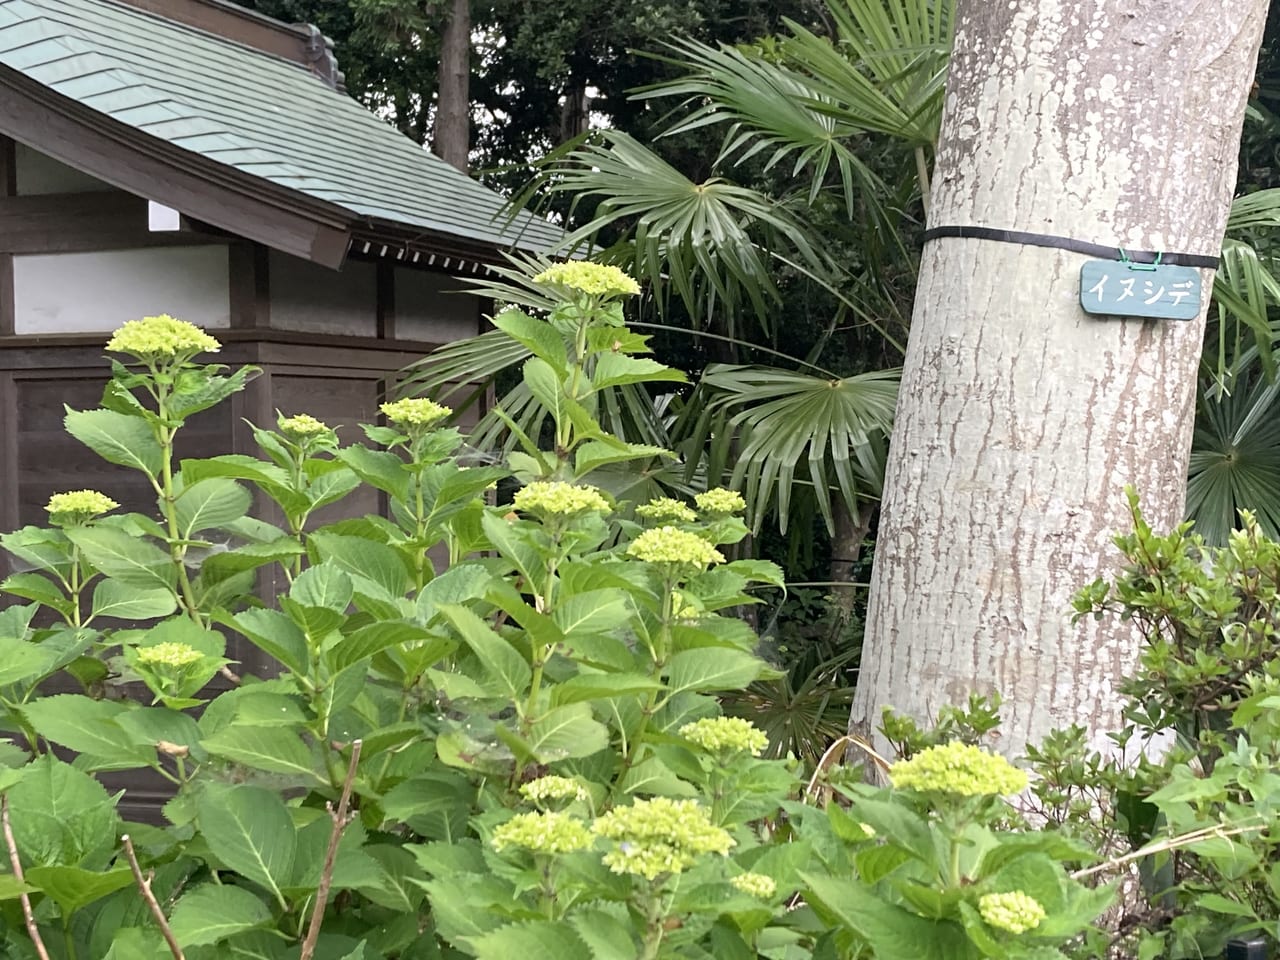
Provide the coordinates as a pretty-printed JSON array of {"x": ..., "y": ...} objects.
[
  {"x": 75, "y": 586},
  {"x": 177, "y": 551},
  {"x": 662, "y": 643}
]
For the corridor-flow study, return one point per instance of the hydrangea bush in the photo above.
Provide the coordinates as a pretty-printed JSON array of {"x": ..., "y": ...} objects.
[{"x": 487, "y": 728}]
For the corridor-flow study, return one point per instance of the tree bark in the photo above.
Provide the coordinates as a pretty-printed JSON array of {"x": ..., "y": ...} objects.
[
  {"x": 451, "y": 138},
  {"x": 1021, "y": 419}
]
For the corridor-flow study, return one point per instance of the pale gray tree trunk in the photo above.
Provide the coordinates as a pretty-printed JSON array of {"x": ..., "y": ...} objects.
[
  {"x": 451, "y": 137},
  {"x": 1021, "y": 419}
]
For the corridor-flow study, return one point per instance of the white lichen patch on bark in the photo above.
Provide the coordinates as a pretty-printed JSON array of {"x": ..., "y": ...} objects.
[{"x": 1021, "y": 418}]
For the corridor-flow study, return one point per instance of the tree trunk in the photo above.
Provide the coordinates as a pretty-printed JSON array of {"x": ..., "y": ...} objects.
[
  {"x": 1021, "y": 418},
  {"x": 451, "y": 138}
]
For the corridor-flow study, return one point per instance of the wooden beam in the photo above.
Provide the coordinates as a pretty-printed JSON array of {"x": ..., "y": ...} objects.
[
  {"x": 8, "y": 168},
  {"x": 250, "y": 285},
  {"x": 386, "y": 309},
  {"x": 66, "y": 223}
]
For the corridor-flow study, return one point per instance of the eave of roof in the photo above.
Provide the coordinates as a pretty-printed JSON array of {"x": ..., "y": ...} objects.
[{"x": 250, "y": 187}]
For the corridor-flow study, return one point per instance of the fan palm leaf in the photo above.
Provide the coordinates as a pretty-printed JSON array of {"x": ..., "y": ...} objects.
[
  {"x": 1235, "y": 460},
  {"x": 760, "y": 423}
]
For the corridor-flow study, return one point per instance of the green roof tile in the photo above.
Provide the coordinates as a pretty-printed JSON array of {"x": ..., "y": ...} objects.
[{"x": 264, "y": 115}]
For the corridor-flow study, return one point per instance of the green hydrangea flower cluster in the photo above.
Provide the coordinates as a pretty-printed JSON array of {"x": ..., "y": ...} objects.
[
  {"x": 543, "y": 832},
  {"x": 667, "y": 544},
  {"x": 302, "y": 427},
  {"x": 726, "y": 735},
  {"x": 659, "y": 836},
  {"x": 553, "y": 788},
  {"x": 683, "y": 608},
  {"x": 77, "y": 506},
  {"x": 958, "y": 768},
  {"x": 1015, "y": 912},
  {"x": 555, "y": 498},
  {"x": 597, "y": 279},
  {"x": 720, "y": 502},
  {"x": 415, "y": 412},
  {"x": 161, "y": 338},
  {"x": 754, "y": 885},
  {"x": 169, "y": 654},
  {"x": 666, "y": 509}
]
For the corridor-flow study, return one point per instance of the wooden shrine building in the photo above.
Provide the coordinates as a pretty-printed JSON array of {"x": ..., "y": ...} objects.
[{"x": 193, "y": 158}]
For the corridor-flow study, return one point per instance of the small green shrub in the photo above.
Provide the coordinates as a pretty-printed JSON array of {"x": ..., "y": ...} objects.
[{"x": 520, "y": 751}]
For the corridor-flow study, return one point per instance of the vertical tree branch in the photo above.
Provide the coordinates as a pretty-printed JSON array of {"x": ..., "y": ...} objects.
[
  {"x": 27, "y": 915},
  {"x": 340, "y": 821},
  {"x": 144, "y": 884}
]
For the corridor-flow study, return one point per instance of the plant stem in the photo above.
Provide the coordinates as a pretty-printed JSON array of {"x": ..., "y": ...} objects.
[
  {"x": 144, "y": 884},
  {"x": 27, "y": 915},
  {"x": 177, "y": 552},
  {"x": 340, "y": 821}
]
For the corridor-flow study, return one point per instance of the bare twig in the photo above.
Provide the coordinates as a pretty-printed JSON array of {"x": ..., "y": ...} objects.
[
  {"x": 340, "y": 821},
  {"x": 144, "y": 884},
  {"x": 832, "y": 754},
  {"x": 1169, "y": 843},
  {"x": 27, "y": 915}
]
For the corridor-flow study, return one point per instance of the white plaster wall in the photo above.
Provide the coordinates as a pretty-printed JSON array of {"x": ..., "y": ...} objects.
[
  {"x": 315, "y": 299},
  {"x": 96, "y": 292},
  {"x": 36, "y": 173},
  {"x": 429, "y": 308}
]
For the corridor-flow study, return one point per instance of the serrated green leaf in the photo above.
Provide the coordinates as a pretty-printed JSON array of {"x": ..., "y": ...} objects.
[
  {"x": 508, "y": 673},
  {"x": 74, "y": 887},
  {"x": 249, "y": 829},
  {"x": 209, "y": 504},
  {"x": 532, "y": 940},
  {"x": 89, "y": 726},
  {"x": 125, "y": 558},
  {"x": 212, "y": 912},
  {"x": 712, "y": 668},
  {"x": 614, "y": 369},
  {"x": 275, "y": 749},
  {"x": 378, "y": 468},
  {"x": 564, "y": 732},
  {"x": 112, "y": 598},
  {"x": 117, "y": 438},
  {"x": 61, "y": 815},
  {"x": 274, "y": 634},
  {"x": 365, "y": 560}
]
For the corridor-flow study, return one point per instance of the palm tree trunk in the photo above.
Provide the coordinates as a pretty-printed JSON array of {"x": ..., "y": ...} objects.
[{"x": 1020, "y": 418}]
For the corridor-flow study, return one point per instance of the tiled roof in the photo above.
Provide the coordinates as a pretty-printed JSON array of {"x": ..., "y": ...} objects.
[{"x": 263, "y": 115}]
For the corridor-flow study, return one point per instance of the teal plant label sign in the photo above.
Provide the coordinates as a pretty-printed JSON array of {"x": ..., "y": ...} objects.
[{"x": 1122, "y": 288}]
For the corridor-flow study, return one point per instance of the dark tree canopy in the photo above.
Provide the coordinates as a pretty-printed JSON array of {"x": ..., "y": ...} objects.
[{"x": 540, "y": 70}]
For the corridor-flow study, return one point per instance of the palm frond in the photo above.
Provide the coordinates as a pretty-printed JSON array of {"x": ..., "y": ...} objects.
[
  {"x": 885, "y": 69},
  {"x": 777, "y": 418},
  {"x": 1235, "y": 460},
  {"x": 707, "y": 242}
]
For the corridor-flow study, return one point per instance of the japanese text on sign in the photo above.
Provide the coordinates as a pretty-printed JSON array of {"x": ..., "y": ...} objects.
[{"x": 1121, "y": 288}]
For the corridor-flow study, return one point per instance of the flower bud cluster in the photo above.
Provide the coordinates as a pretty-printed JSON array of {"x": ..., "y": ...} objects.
[
  {"x": 555, "y": 498},
  {"x": 726, "y": 735},
  {"x": 161, "y": 338},
  {"x": 1015, "y": 912},
  {"x": 597, "y": 279},
  {"x": 669, "y": 544},
  {"x": 960, "y": 769}
]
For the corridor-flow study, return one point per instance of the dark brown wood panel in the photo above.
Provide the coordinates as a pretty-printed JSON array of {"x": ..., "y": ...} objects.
[
  {"x": 8, "y": 461},
  {"x": 250, "y": 281},
  {"x": 63, "y": 223},
  {"x": 386, "y": 308},
  {"x": 8, "y": 168}
]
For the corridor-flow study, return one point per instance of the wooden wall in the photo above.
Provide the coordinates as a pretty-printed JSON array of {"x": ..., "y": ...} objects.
[{"x": 76, "y": 256}]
